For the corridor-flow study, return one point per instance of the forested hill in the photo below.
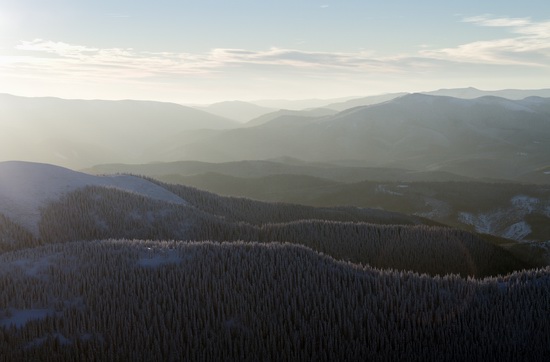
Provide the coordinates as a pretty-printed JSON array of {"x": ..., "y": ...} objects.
[
  {"x": 142, "y": 270},
  {"x": 368, "y": 236},
  {"x": 174, "y": 301}
]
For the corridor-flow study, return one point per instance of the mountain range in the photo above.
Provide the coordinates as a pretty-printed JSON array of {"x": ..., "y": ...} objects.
[
  {"x": 76, "y": 133},
  {"x": 486, "y": 137}
]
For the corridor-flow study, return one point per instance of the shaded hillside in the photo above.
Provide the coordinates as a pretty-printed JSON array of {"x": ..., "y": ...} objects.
[
  {"x": 514, "y": 211},
  {"x": 471, "y": 93},
  {"x": 209, "y": 301},
  {"x": 98, "y": 213},
  {"x": 364, "y": 101},
  {"x": 68, "y": 206},
  {"x": 170, "y": 171}
]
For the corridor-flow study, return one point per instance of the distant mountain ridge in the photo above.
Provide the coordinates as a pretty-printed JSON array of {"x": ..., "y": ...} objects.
[
  {"x": 75, "y": 133},
  {"x": 487, "y": 137},
  {"x": 236, "y": 110},
  {"x": 471, "y": 93}
]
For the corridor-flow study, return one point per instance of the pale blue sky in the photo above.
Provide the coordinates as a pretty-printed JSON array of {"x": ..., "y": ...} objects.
[{"x": 205, "y": 51}]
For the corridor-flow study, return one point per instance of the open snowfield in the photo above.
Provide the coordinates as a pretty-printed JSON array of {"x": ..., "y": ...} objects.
[{"x": 26, "y": 187}]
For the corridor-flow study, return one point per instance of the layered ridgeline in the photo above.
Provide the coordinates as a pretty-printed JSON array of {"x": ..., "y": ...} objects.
[
  {"x": 73, "y": 206},
  {"x": 487, "y": 137},
  {"x": 80, "y": 133},
  {"x": 146, "y": 300},
  {"x": 515, "y": 211}
]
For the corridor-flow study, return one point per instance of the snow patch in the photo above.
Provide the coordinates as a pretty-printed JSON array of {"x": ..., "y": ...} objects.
[
  {"x": 517, "y": 231},
  {"x": 32, "y": 267},
  {"x": 37, "y": 342},
  {"x": 26, "y": 187},
  {"x": 482, "y": 223},
  {"x": 508, "y": 222},
  {"x": 20, "y": 317},
  {"x": 525, "y": 203}
]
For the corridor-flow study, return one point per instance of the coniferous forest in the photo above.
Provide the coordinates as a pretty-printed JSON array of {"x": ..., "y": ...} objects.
[{"x": 115, "y": 275}]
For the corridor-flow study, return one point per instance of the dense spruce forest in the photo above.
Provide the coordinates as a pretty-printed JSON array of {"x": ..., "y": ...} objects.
[
  {"x": 362, "y": 236},
  {"x": 150, "y": 300},
  {"x": 116, "y": 274}
]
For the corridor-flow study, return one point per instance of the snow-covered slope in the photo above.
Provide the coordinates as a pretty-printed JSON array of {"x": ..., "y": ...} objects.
[
  {"x": 25, "y": 187},
  {"x": 509, "y": 222}
]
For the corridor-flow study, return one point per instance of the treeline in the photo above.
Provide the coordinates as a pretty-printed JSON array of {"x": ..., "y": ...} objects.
[
  {"x": 178, "y": 301},
  {"x": 102, "y": 213},
  {"x": 14, "y": 236}
]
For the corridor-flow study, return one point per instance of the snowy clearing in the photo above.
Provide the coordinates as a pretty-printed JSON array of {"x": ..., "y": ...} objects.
[{"x": 26, "y": 187}]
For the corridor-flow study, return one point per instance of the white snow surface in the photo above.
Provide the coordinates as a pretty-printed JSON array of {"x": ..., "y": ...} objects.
[
  {"x": 26, "y": 187},
  {"x": 507, "y": 222},
  {"x": 517, "y": 231}
]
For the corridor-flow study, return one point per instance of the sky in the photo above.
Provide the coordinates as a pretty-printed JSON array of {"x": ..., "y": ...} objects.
[{"x": 207, "y": 51}]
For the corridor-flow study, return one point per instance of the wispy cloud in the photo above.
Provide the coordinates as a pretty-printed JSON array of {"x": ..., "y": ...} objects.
[
  {"x": 528, "y": 45},
  {"x": 91, "y": 62},
  {"x": 85, "y": 61},
  {"x": 488, "y": 20}
]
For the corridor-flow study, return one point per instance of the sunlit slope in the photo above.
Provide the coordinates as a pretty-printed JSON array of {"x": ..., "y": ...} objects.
[
  {"x": 79, "y": 133},
  {"x": 26, "y": 188},
  {"x": 236, "y": 301},
  {"x": 236, "y": 110},
  {"x": 285, "y": 115},
  {"x": 471, "y": 93}
]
